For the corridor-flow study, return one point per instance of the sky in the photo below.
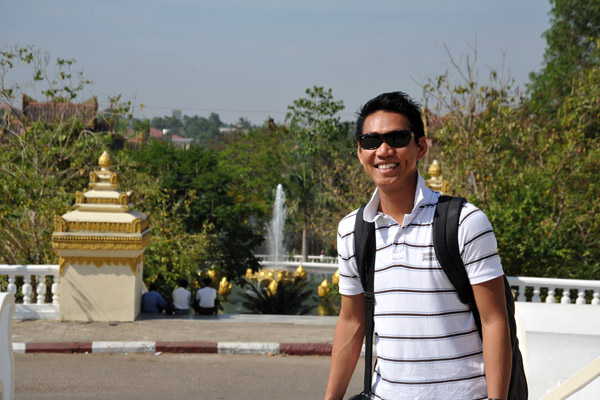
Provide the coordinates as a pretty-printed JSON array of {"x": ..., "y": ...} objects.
[{"x": 252, "y": 59}]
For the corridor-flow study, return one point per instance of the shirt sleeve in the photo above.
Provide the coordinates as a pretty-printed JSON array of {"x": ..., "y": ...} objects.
[
  {"x": 478, "y": 246},
  {"x": 349, "y": 277}
]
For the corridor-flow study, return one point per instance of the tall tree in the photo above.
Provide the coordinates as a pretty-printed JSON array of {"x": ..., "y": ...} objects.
[
  {"x": 532, "y": 174},
  {"x": 571, "y": 41},
  {"x": 42, "y": 163},
  {"x": 314, "y": 129}
]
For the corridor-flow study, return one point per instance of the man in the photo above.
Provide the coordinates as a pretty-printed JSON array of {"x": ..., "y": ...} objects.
[
  {"x": 181, "y": 298},
  {"x": 426, "y": 339},
  {"x": 152, "y": 301},
  {"x": 207, "y": 299}
]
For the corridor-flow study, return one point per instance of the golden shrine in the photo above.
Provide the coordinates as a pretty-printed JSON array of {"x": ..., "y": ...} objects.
[{"x": 101, "y": 244}]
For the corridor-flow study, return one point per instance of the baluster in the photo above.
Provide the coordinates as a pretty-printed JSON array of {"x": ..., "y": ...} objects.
[
  {"x": 27, "y": 290},
  {"x": 580, "y": 298},
  {"x": 12, "y": 287},
  {"x": 54, "y": 289},
  {"x": 596, "y": 299},
  {"x": 551, "y": 299},
  {"x": 41, "y": 289},
  {"x": 521, "y": 295},
  {"x": 565, "y": 299},
  {"x": 536, "y": 295}
]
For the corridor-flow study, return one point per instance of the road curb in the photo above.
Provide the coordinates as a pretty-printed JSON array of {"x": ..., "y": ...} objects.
[{"x": 293, "y": 349}]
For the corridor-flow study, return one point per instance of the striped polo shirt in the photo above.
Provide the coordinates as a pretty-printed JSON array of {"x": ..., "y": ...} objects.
[{"x": 426, "y": 339}]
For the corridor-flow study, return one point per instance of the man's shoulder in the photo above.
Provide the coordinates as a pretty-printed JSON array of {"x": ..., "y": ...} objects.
[
  {"x": 346, "y": 224},
  {"x": 472, "y": 217}
]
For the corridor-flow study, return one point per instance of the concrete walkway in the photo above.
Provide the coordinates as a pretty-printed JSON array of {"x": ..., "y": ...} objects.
[{"x": 223, "y": 334}]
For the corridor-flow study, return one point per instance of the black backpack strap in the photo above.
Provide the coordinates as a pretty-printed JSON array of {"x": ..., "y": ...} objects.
[
  {"x": 447, "y": 251},
  {"x": 364, "y": 252},
  {"x": 445, "y": 244}
]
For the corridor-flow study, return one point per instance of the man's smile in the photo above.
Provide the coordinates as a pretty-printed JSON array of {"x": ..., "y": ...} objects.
[{"x": 387, "y": 166}]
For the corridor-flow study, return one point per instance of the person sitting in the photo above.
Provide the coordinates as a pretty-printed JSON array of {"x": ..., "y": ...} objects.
[
  {"x": 181, "y": 298},
  {"x": 152, "y": 301},
  {"x": 206, "y": 299}
]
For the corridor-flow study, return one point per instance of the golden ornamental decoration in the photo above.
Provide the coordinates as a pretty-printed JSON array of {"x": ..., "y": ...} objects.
[
  {"x": 131, "y": 262},
  {"x": 224, "y": 288},
  {"x": 99, "y": 242},
  {"x": 104, "y": 161},
  {"x": 272, "y": 288},
  {"x": 137, "y": 226},
  {"x": 323, "y": 288},
  {"x": 114, "y": 179},
  {"x": 79, "y": 197},
  {"x": 93, "y": 177},
  {"x": 60, "y": 224},
  {"x": 436, "y": 181},
  {"x": 300, "y": 273},
  {"x": 212, "y": 274},
  {"x": 123, "y": 199},
  {"x": 335, "y": 278}
]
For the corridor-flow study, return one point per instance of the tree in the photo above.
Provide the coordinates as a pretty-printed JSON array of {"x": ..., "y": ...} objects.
[
  {"x": 42, "y": 163},
  {"x": 205, "y": 220},
  {"x": 173, "y": 124},
  {"x": 315, "y": 134},
  {"x": 531, "y": 175},
  {"x": 571, "y": 43}
]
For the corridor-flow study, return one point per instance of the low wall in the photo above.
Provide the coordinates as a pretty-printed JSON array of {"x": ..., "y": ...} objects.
[{"x": 557, "y": 341}]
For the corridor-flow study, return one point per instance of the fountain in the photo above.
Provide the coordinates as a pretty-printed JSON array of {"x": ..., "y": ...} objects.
[{"x": 275, "y": 229}]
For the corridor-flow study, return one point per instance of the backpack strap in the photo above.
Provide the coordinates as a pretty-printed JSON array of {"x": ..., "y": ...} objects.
[
  {"x": 445, "y": 244},
  {"x": 364, "y": 252}
]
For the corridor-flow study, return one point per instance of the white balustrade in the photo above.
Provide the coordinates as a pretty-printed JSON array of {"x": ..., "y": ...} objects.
[
  {"x": 321, "y": 259},
  {"x": 27, "y": 290},
  {"x": 552, "y": 285},
  {"x": 328, "y": 265}
]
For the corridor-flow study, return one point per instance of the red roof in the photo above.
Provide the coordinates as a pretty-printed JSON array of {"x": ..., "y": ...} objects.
[{"x": 55, "y": 111}]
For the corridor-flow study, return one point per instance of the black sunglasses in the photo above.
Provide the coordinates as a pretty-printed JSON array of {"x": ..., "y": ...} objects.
[{"x": 372, "y": 141}]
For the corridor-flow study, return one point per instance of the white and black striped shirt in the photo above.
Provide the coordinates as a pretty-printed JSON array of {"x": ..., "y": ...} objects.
[{"x": 426, "y": 339}]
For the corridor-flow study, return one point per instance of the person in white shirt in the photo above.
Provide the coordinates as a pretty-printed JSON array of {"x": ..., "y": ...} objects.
[
  {"x": 426, "y": 339},
  {"x": 181, "y": 298},
  {"x": 206, "y": 298}
]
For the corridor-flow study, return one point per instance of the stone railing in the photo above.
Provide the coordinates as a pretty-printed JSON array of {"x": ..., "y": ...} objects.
[
  {"x": 549, "y": 287},
  {"x": 33, "y": 304},
  {"x": 298, "y": 259},
  {"x": 525, "y": 288}
]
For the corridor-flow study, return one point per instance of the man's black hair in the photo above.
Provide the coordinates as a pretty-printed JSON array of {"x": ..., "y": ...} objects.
[
  {"x": 396, "y": 102},
  {"x": 183, "y": 283},
  {"x": 207, "y": 281},
  {"x": 153, "y": 286}
]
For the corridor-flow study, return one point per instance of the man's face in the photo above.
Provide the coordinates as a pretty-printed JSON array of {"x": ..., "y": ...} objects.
[{"x": 389, "y": 167}]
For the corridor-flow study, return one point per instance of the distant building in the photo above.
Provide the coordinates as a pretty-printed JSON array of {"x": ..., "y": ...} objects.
[
  {"x": 59, "y": 111},
  {"x": 163, "y": 135}
]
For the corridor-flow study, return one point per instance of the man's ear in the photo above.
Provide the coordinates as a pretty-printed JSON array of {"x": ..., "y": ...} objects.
[
  {"x": 422, "y": 144},
  {"x": 359, "y": 152}
]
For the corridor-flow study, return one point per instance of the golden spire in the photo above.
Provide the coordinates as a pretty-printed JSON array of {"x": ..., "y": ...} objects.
[{"x": 104, "y": 161}]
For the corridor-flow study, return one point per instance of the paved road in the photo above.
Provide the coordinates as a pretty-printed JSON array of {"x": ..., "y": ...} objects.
[{"x": 173, "y": 376}]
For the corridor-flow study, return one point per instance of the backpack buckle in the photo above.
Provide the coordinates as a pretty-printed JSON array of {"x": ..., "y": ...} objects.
[{"x": 370, "y": 297}]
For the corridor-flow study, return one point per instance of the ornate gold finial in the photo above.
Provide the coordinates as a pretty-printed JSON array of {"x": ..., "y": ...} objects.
[
  {"x": 104, "y": 161},
  {"x": 435, "y": 169},
  {"x": 436, "y": 182}
]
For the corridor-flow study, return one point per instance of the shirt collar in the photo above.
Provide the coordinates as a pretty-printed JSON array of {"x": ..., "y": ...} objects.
[{"x": 423, "y": 195}]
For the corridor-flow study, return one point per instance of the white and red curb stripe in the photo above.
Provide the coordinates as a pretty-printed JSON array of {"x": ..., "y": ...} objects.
[{"x": 300, "y": 349}]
